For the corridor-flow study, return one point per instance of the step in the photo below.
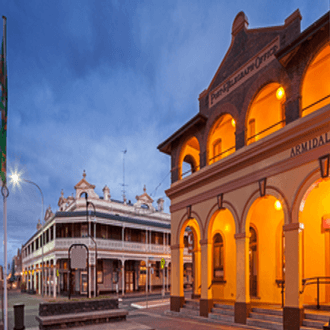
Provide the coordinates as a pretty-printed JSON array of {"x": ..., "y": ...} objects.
[
  {"x": 278, "y": 312},
  {"x": 223, "y": 306},
  {"x": 190, "y": 306},
  {"x": 222, "y": 317},
  {"x": 313, "y": 324},
  {"x": 223, "y": 311},
  {"x": 267, "y": 317},
  {"x": 263, "y": 324},
  {"x": 317, "y": 316},
  {"x": 192, "y": 303},
  {"x": 189, "y": 311}
]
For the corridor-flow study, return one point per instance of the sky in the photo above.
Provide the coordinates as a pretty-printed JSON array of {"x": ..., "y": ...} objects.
[{"x": 90, "y": 79}]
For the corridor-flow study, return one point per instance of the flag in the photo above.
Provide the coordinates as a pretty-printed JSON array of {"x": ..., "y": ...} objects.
[{"x": 3, "y": 106}]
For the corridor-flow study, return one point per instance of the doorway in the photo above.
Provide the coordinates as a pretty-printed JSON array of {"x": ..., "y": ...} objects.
[{"x": 253, "y": 263}]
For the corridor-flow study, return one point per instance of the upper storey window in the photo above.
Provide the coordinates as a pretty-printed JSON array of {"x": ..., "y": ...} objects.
[
  {"x": 221, "y": 141},
  {"x": 315, "y": 92},
  {"x": 266, "y": 114},
  {"x": 189, "y": 158}
]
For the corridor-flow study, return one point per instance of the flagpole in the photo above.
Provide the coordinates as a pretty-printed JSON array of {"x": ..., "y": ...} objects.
[{"x": 4, "y": 189}]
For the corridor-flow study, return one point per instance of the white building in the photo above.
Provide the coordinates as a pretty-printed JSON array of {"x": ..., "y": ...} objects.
[{"x": 131, "y": 240}]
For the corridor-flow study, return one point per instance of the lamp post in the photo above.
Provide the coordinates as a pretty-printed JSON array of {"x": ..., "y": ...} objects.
[
  {"x": 89, "y": 235},
  {"x": 16, "y": 179}
]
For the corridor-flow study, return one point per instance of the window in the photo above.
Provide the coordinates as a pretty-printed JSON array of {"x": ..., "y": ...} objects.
[
  {"x": 100, "y": 271},
  {"x": 84, "y": 232},
  {"x": 52, "y": 233},
  {"x": 157, "y": 270},
  {"x": 252, "y": 129},
  {"x": 217, "y": 150},
  {"x": 218, "y": 257}
]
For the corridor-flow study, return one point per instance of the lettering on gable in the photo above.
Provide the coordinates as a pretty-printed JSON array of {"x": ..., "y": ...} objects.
[{"x": 258, "y": 62}]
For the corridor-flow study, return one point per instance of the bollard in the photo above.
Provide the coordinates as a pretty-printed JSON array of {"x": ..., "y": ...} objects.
[
  {"x": 19, "y": 317},
  {"x": 326, "y": 327}
]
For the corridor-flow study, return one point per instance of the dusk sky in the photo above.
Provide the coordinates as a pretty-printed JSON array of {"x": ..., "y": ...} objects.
[{"x": 89, "y": 79}]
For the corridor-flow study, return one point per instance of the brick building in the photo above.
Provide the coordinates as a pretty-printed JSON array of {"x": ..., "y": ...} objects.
[{"x": 250, "y": 176}]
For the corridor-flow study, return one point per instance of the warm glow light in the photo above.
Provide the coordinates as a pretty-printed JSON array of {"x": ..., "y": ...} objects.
[
  {"x": 227, "y": 228},
  {"x": 280, "y": 93},
  {"x": 233, "y": 123},
  {"x": 278, "y": 205}
]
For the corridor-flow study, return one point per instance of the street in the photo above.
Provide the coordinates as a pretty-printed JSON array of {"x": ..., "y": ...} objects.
[{"x": 150, "y": 317}]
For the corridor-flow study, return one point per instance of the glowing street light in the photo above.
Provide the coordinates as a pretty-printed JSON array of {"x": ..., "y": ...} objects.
[{"x": 16, "y": 181}]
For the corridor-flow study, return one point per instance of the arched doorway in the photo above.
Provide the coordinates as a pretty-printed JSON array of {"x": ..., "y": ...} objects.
[
  {"x": 264, "y": 218},
  {"x": 314, "y": 213},
  {"x": 221, "y": 231},
  {"x": 191, "y": 256}
]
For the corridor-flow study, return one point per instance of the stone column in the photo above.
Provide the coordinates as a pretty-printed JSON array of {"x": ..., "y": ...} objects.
[
  {"x": 293, "y": 311},
  {"x": 147, "y": 271},
  {"x": 177, "y": 294},
  {"x": 242, "y": 303},
  {"x": 123, "y": 276},
  {"x": 205, "y": 276},
  {"x": 54, "y": 278}
]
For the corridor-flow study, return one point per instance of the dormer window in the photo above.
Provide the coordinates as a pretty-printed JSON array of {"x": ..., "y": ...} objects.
[{"x": 145, "y": 206}]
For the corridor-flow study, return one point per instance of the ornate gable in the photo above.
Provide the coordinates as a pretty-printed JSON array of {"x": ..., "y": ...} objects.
[
  {"x": 83, "y": 186},
  {"x": 144, "y": 200},
  {"x": 250, "y": 50}
]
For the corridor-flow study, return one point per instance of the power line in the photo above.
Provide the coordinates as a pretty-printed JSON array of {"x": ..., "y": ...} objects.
[{"x": 154, "y": 191}]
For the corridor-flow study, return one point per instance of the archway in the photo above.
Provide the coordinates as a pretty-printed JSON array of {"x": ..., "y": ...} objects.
[
  {"x": 266, "y": 114},
  {"x": 221, "y": 139},
  {"x": 314, "y": 213},
  {"x": 189, "y": 158},
  {"x": 263, "y": 220},
  {"x": 315, "y": 92},
  {"x": 221, "y": 233},
  {"x": 191, "y": 275}
]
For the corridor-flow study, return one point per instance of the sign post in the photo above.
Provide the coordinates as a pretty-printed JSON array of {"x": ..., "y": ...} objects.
[{"x": 77, "y": 260}]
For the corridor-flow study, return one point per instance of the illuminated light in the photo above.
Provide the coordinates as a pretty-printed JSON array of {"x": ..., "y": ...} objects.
[
  {"x": 227, "y": 228},
  {"x": 278, "y": 205},
  {"x": 233, "y": 122},
  {"x": 280, "y": 93}
]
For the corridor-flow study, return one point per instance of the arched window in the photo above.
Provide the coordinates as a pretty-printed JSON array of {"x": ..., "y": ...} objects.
[
  {"x": 253, "y": 250},
  {"x": 189, "y": 158},
  {"x": 218, "y": 257},
  {"x": 315, "y": 92},
  {"x": 266, "y": 114},
  {"x": 221, "y": 140}
]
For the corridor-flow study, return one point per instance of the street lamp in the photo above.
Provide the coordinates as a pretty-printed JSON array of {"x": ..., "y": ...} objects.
[
  {"x": 89, "y": 235},
  {"x": 16, "y": 180}
]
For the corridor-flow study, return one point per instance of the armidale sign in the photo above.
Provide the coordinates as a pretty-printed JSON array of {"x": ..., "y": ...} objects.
[
  {"x": 311, "y": 144},
  {"x": 244, "y": 73}
]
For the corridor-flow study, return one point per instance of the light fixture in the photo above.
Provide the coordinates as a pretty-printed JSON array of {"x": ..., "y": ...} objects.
[
  {"x": 262, "y": 187},
  {"x": 233, "y": 123},
  {"x": 189, "y": 211},
  {"x": 324, "y": 165},
  {"x": 220, "y": 201},
  {"x": 280, "y": 93},
  {"x": 278, "y": 205}
]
